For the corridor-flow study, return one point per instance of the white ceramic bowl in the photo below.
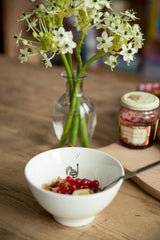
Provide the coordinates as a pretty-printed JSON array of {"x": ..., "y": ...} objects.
[{"x": 72, "y": 210}]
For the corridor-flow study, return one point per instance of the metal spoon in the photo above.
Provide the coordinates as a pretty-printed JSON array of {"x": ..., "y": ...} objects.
[{"x": 131, "y": 174}]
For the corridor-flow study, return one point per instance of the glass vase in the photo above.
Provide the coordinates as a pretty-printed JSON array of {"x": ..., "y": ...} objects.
[{"x": 74, "y": 116}]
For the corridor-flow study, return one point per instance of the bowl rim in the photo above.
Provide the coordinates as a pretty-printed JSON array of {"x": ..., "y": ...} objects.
[{"x": 68, "y": 195}]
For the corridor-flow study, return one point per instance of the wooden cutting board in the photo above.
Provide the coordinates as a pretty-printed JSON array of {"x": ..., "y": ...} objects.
[{"x": 133, "y": 159}]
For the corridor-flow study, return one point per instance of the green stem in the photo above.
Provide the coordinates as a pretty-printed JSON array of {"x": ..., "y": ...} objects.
[
  {"x": 75, "y": 124},
  {"x": 83, "y": 133},
  {"x": 91, "y": 60},
  {"x": 74, "y": 98},
  {"x": 78, "y": 51},
  {"x": 69, "y": 57},
  {"x": 43, "y": 28},
  {"x": 78, "y": 124},
  {"x": 69, "y": 72},
  {"x": 71, "y": 113}
]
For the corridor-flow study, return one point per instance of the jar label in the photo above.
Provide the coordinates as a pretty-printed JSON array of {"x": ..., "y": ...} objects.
[{"x": 137, "y": 136}]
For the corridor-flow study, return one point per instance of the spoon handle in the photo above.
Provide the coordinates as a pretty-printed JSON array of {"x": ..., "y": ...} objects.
[
  {"x": 133, "y": 173},
  {"x": 139, "y": 170}
]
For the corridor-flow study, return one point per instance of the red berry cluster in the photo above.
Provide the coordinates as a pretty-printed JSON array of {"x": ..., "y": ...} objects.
[{"x": 70, "y": 185}]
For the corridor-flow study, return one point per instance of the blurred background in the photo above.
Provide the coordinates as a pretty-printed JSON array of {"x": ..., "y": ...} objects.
[{"x": 147, "y": 62}]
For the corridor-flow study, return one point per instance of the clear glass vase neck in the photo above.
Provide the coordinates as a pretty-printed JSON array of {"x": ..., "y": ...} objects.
[{"x": 73, "y": 81}]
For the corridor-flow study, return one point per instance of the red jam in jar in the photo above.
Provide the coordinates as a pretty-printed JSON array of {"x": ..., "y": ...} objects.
[{"x": 138, "y": 119}]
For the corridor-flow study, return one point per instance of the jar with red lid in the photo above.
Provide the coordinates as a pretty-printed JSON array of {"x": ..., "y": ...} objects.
[{"x": 138, "y": 119}]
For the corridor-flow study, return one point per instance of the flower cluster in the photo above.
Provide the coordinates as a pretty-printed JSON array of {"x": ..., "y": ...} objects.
[
  {"x": 117, "y": 35},
  {"x": 46, "y": 21}
]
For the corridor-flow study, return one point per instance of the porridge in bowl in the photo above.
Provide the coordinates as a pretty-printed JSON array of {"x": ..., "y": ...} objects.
[{"x": 72, "y": 186}]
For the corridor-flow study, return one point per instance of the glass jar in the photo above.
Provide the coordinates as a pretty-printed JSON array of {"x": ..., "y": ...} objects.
[{"x": 138, "y": 119}]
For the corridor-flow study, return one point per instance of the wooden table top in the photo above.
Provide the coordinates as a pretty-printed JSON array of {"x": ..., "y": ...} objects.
[{"x": 28, "y": 94}]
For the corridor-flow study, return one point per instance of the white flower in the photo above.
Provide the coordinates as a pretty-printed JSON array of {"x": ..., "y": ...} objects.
[
  {"x": 105, "y": 42},
  {"x": 97, "y": 4},
  {"x": 111, "y": 61},
  {"x": 126, "y": 34},
  {"x": 64, "y": 39},
  {"x": 24, "y": 55},
  {"x": 59, "y": 35},
  {"x": 104, "y": 21},
  {"x": 46, "y": 61},
  {"x": 51, "y": 11},
  {"x": 120, "y": 28},
  {"x": 107, "y": 3},
  {"x": 136, "y": 31},
  {"x": 117, "y": 28},
  {"x": 18, "y": 37},
  {"x": 128, "y": 52},
  {"x": 107, "y": 15},
  {"x": 138, "y": 42},
  {"x": 93, "y": 4},
  {"x": 68, "y": 47},
  {"x": 130, "y": 14},
  {"x": 135, "y": 28},
  {"x": 25, "y": 16},
  {"x": 96, "y": 15},
  {"x": 32, "y": 24}
]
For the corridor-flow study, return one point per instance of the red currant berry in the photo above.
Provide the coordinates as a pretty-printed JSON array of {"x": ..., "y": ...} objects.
[
  {"x": 95, "y": 183},
  {"x": 69, "y": 179},
  {"x": 89, "y": 182},
  {"x": 66, "y": 189},
  {"x": 93, "y": 188},
  {"x": 80, "y": 187},
  {"x": 73, "y": 187},
  {"x": 58, "y": 191},
  {"x": 77, "y": 181},
  {"x": 84, "y": 182},
  {"x": 61, "y": 185}
]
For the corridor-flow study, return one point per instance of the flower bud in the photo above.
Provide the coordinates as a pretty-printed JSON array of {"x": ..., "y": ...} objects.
[
  {"x": 41, "y": 34},
  {"x": 52, "y": 45},
  {"x": 41, "y": 52},
  {"x": 59, "y": 3},
  {"x": 121, "y": 40},
  {"x": 62, "y": 3},
  {"x": 34, "y": 34},
  {"x": 118, "y": 21},
  {"x": 41, "y": 6},
  {"x": 25, "y": 42},
  {"x": 127, "y": 25},
  {"x": 50, "y": 24},
  {"x": 135, "y": 27}
]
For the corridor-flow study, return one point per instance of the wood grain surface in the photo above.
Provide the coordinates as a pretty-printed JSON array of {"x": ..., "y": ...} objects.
[
  {"x": 134, "y": 159},
  {"x": 28, "y": 94}
]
